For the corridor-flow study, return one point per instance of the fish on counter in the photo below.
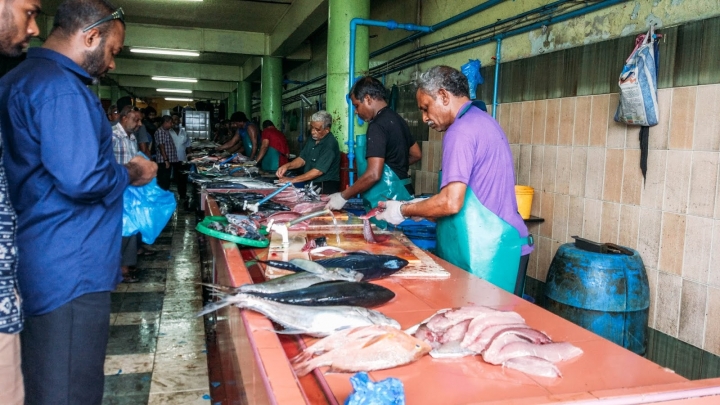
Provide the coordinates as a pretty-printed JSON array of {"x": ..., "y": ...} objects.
[
  {"x": 354, "y": 294},
  {"x": 313, "y": 321},
  {"x": 290, "y": 282},
  {"x": 308, "y": 207},
  {"x": 372, "y": 267},
  {"x": 368, "y": 232},
  {"x": 361, "y": 349},
  {"x": 501, "y": 337}
]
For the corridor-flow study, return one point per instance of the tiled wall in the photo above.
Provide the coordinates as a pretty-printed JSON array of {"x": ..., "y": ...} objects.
[{"x": 585, "y": 171}]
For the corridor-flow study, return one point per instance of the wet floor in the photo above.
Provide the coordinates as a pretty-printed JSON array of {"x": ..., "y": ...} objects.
[{"x": 157, "y": 352}]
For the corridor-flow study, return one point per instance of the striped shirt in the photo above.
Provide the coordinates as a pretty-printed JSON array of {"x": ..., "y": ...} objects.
[
  {"x": 163, "y": 137},
  {"x": 124, "y": 146},
  {"x": 10, "y": 315}
]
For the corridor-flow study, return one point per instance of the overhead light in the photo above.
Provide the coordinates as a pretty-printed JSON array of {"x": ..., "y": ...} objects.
[
  {"x": 175, "y": 79},
  {"x": 156, "y": 51},
  {"x": 175, "y": 91},
  {"x": 178, "y": 99}
]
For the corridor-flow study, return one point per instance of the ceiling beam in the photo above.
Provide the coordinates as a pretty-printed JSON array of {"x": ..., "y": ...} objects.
[
  {"x": 142, "y": 67},
  {"x": 251, "y": 69},
  {"x": 299, "y": 21},
  {"x": 200, "y": 95},
  {"x": 197, "y": 39},
  {"x": 146, "y": 82}
]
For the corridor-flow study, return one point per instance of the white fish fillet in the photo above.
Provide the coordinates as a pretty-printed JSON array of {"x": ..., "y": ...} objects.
[
  {"x": 534, "y": 366},
  {"x": 553, "y": 352},
  {"x": 478, "y": 325}
]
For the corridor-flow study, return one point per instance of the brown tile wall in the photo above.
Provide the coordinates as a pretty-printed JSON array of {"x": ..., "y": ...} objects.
[{"x": 585, "y": 171}]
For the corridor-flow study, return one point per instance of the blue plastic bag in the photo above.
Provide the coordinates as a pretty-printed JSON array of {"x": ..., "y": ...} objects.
[
  {"x": 471, "y": 70},
  {"x": 146, "y": 209},
  {"x": 389, "y": 391}
]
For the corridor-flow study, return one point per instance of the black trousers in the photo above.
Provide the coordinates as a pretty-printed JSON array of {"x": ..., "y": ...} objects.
[
  {"x": 163, "y": 176},
  {"x": 128, "y": 250},
  {"x": 181, "y": 178},
  {"x": 328, "y": 187},
  {"x": 63, "y": 352},
  {"x": 522, "y": 269}
]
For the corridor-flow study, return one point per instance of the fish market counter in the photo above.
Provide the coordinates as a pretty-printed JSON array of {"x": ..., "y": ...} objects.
[{"x": 253, "y": 355}]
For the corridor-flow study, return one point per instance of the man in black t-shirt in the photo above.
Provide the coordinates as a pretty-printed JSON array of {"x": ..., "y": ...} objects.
[{"x": 389, "y": 143}]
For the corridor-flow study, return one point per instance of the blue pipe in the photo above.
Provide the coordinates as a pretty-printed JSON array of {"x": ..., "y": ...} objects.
[
  {"x": 497, "y": 77},
  {"x": 274, "y": 193},
  {"x": 517, "y": 31},
  {"x": 391, "y": 25},
  {"x": 442, "y": 24},
  {"x": 229, "y": 159}
]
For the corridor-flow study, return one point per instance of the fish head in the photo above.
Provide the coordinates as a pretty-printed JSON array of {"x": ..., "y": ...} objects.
[
  {"x": 395, "y": 263},
  {"x": 421, "y": 348}
]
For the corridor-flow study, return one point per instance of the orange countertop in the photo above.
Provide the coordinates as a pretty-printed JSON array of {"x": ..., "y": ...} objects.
[{"x": 605, "y": 373}]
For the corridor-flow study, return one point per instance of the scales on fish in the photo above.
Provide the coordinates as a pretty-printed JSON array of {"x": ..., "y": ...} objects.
[
  {"x": 361, "y": 349},
  {"x": 365, "y": 295},
  {"x": 372, "y": 267},
  {"x": 313, "y": 321}
]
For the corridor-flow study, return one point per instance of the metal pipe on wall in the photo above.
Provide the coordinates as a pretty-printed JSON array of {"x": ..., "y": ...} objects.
[
  {"x": 498, "y": 54},
  {"x": 391, "y": 25}
]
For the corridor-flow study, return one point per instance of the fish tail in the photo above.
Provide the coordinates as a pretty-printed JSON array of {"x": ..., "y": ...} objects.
[
  {"x": 304, "y": 368},
  {"x": 228, "y": 300},
  {"x": 304, "y": 356},
  {"x": 218, "y": 287}
]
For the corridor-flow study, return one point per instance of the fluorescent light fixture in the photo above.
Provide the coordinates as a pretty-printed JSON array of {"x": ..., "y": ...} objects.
[
  {"x": 156, "y": 51},
  {"x": 175, "y": 79},
  {"x": 178, "y": 99},
  {"x": 174, "y": 91}
]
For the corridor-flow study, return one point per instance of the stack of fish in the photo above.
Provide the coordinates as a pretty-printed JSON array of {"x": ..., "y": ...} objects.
[
  {"x": 318, "y": 300},
  {"x": 501, "y": 337}
]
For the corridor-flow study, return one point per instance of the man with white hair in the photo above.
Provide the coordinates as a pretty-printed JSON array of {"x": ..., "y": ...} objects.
[
  {"x": 479, "y": 228},
  {"x": 321, "y": 158}
]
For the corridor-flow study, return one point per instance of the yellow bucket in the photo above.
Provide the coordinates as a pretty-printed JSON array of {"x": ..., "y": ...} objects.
[{"x": 524, "y": 196}]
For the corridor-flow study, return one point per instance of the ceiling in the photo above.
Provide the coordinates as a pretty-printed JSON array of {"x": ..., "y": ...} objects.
[{"x": 230, "y": 34}]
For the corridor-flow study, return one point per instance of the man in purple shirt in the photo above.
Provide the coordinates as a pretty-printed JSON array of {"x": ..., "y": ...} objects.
[{"x": 479, "y": 227}]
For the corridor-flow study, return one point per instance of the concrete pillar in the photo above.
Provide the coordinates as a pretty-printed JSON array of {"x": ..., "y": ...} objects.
[
  {"x": 244, "y": 98},
  {"x": 271, "y": 90},
  {"x": 231, "y": 104},
  {"x": 341, "y": 12}
]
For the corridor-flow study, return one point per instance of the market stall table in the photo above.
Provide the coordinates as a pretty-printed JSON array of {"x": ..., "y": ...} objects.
[{"x": 605, "y": 371}]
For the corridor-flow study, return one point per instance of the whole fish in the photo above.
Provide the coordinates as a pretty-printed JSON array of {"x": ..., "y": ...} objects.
[
  {"x": 370, "y": 236},
  {"x": 371, "y": 266},
  {"x": 313, "y": 321},
  {"x": 358, "y": 351},
  {"x": 291, "y": 282},
  {"x": 334, "y": 293}
]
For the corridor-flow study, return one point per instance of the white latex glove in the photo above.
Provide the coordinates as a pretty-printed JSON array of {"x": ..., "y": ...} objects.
[
  {"x": 392, "y": 214},
  {"x": 336, "y": 202}
]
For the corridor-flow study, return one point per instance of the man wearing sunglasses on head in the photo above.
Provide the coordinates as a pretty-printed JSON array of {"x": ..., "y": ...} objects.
[{"x": 67, "y": 189}]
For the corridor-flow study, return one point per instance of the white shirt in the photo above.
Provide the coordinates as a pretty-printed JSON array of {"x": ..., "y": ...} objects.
[{"x": 181, "y": 141}]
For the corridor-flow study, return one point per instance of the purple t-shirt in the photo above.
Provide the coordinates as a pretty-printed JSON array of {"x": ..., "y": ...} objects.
[{"x": 476, "y": 152}]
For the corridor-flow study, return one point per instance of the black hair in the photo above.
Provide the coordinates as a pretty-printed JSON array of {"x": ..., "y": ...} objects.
[
  {"x": 368, "y": 86},
  {"x": 150, "y": 110},
  {"x": 267, "y": 124},
  {"x": 74, "y": 15},
  {"x": 238, "y": 116},
  {"x": 166, "y": 118},
  {"x": 126, "y": 110}
]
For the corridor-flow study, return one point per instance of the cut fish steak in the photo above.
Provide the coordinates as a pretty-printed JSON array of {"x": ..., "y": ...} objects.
[
  {"x": 479, "y": 324},
  {"x": 512, "y": 335},
  {"x": 553, "y": 352},
  {"x": 533, "y": 365}
]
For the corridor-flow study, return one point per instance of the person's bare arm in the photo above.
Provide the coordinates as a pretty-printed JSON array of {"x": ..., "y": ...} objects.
[
  {"x": 295, "y": 164},
  {"x": 229, "y": 144},
  {"x": 264, "y": 145},
  {"x": 371, "y": 176},
  {"x": 144, "y": 148},
  {"x": 161, "y": 148},
  {"x": 253, "y": 134},
  {"x": 141, "y": 170},
  {"x": 310, "y": 175},
  {"x": 449, "y": 201},
  {"x": 415, "y": 153}
]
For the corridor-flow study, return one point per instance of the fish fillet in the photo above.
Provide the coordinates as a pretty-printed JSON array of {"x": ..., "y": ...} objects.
[
  {"x": 450, "y": 318},
  {"x": 553, "y": 352},
  {"x": 455, "y": 333},
  {"x": 481, "y": 343},
  {"x": 534, "y": 366},
  {"x": 478, "y": 325}
]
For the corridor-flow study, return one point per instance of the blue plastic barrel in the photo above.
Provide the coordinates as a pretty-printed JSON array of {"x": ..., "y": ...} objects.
[
  {"x": 605, "y": 293},
  {"x": 421, "y": 233}
]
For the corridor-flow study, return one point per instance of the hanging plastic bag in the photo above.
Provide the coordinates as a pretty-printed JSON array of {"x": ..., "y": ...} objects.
[
  {"x": 389, "y": 391},
  {"x": 146, "y": 209},
  {"x": 638, "y": 84},
  {"x": 471, "y": 70}
]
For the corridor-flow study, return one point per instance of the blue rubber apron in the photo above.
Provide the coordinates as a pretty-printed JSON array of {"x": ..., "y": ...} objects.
[
  {"x": 389, "y": 187},
  {"x": 271, "y": 160},
  {"x": 480, "y": 242},
  {"x": 245, "y": 138}
]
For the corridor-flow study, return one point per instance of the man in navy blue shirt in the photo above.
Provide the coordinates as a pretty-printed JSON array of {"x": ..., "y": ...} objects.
[
  {"x": 15, "y": 34},
  {"x": 67, "y": 189}
]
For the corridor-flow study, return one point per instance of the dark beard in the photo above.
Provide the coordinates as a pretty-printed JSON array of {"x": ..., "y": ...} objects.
[
  {"x": 8, "y": 31},
  {"x": 94, "y": 63}
]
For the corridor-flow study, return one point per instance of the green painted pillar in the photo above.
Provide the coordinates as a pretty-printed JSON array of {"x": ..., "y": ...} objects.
[
  {"x": 271, "y": 90},
  {"x": 114, "y": 94},
  {"x": 231, "y": 104},
  {"x": 244, "y": 98},
  {"x": 338, "y": 63}
]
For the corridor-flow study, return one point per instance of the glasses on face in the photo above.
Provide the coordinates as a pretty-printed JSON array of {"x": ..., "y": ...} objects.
[{"x": 118, "y": 14}]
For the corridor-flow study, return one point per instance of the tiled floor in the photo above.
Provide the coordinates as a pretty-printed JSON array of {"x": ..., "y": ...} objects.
[{"x": 157, "y": 353}]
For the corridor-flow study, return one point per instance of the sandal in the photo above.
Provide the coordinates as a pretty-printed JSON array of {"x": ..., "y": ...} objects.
[{"x": 128, "y": 279}]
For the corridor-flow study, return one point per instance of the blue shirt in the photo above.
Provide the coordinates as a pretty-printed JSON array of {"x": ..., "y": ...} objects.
[{"x": 64, "y": 182}]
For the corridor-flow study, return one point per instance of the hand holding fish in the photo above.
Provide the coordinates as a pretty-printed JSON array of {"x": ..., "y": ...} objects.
[{"x": 392, "y": 213}]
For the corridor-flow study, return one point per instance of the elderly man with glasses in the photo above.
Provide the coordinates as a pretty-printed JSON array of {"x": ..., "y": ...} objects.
[{"x": 67, "y": 189}]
